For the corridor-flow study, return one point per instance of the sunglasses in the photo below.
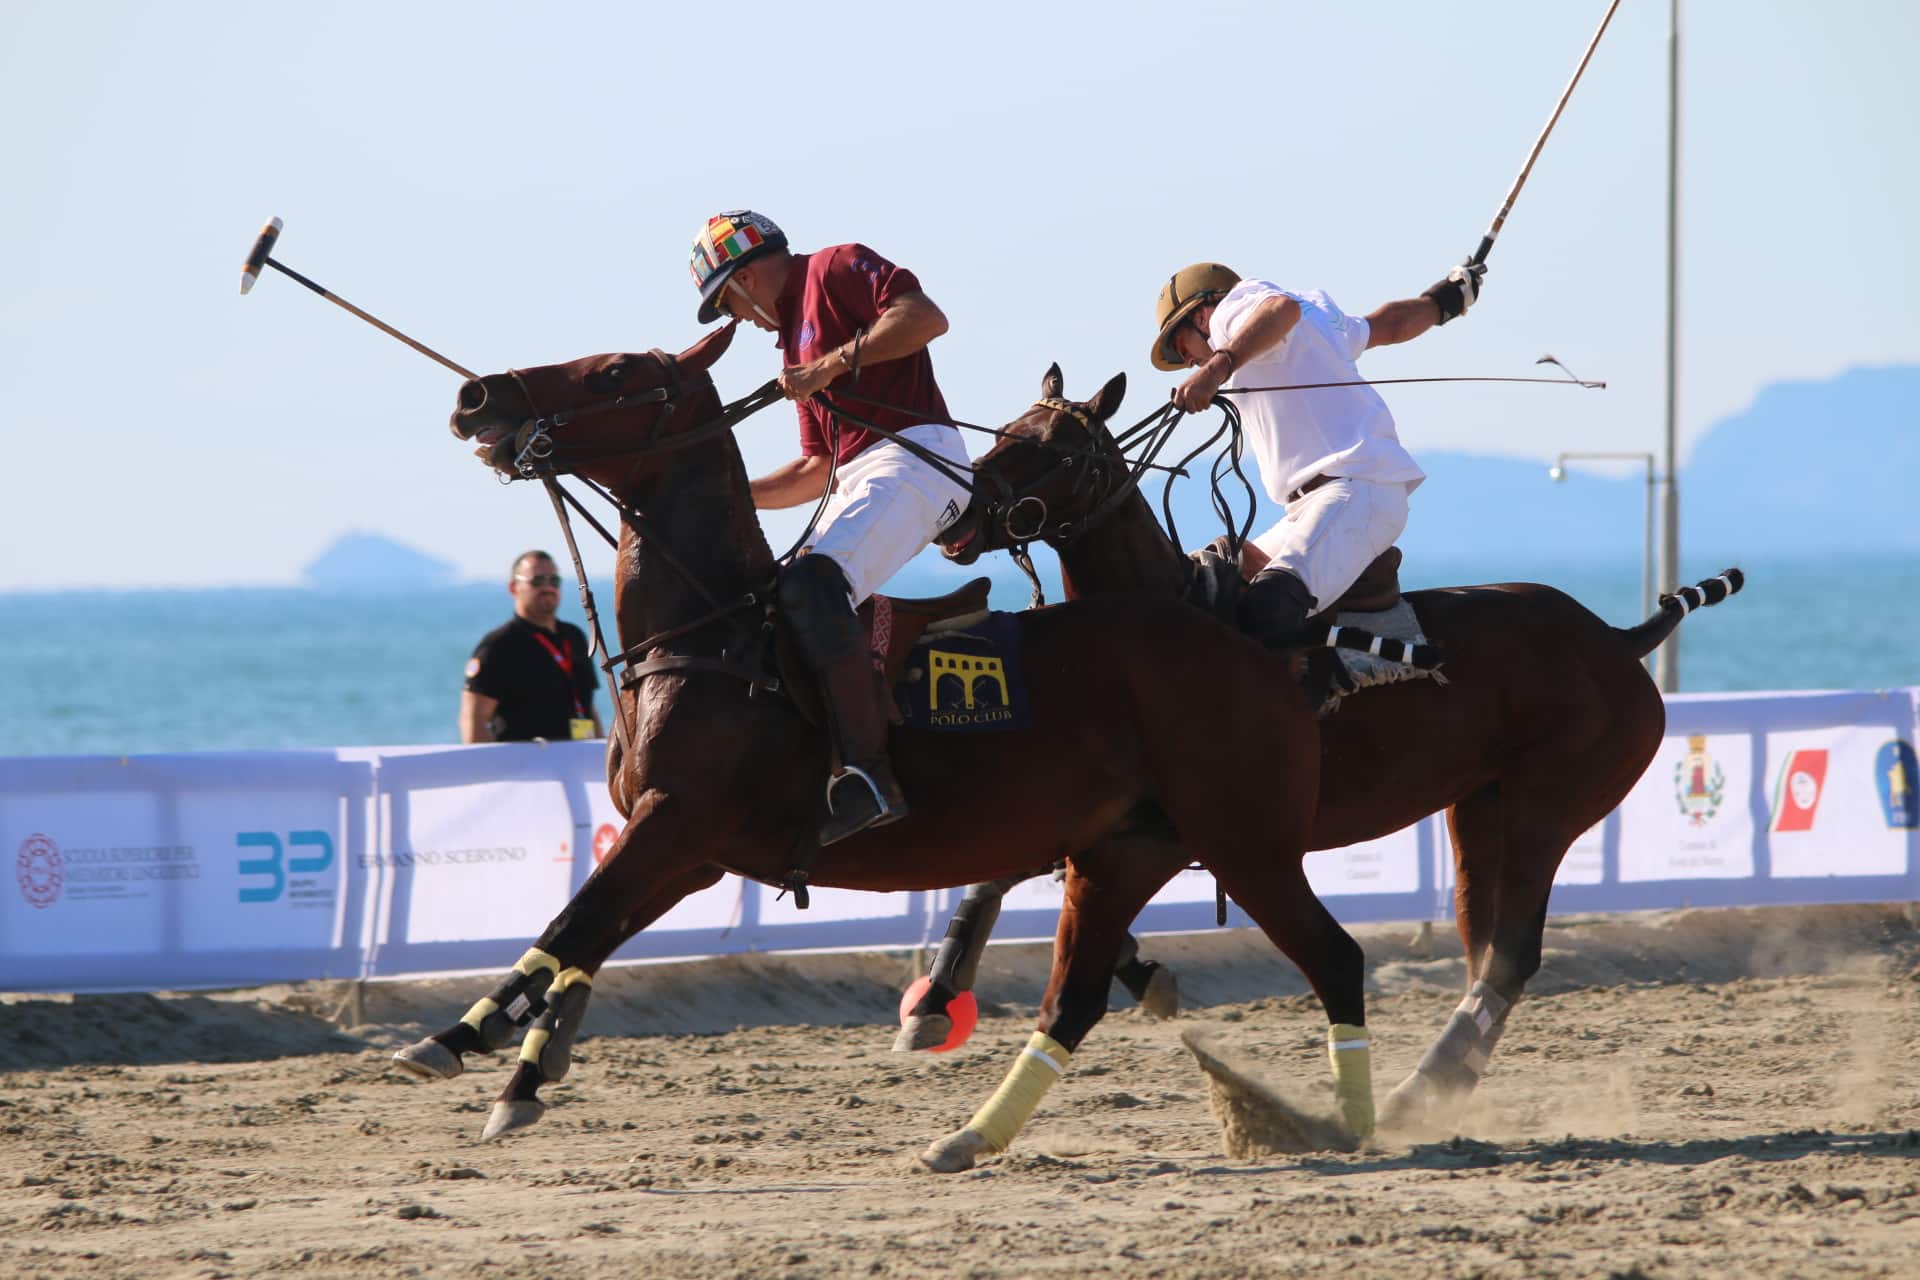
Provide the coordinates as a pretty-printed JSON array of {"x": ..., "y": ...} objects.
[{"x": 540, "y": 579}]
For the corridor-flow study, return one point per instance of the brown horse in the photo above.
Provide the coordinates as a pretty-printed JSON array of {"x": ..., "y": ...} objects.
[
  {"x": 713, "y": 780},
  {"x": 1546, "y": 720}
]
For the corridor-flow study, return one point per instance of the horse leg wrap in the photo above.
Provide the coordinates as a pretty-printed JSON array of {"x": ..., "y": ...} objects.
[
  {"x": 548, "y": 1047},
  {"x": 957, "y": 962},
  {"x": 515, "y": 1002},
  {"x": 1042, "y": 1062},
  {"x": 1350, "y": 1050},
  {"x": 1459, "y": 1057}
]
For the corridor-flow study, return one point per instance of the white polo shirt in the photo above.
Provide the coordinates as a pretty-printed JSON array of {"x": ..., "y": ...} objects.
[{"x": 1297, "y": 435}]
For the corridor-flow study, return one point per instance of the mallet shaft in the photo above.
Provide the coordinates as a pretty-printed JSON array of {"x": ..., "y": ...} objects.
[
  {"x": 1499, "y": 219},
  {"x": 375, "y": 321}
]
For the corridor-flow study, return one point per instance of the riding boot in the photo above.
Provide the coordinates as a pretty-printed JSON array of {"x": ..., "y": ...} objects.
[
  {"x": 864, "y": 792},
  {"x": 1275, "y": 607}
]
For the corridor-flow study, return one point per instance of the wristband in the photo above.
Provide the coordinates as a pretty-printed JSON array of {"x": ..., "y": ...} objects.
[{"x": 1233, "y": 365}]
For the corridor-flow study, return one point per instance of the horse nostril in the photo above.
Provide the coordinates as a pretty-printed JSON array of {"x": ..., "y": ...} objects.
[{"x": 473, "y": 395}]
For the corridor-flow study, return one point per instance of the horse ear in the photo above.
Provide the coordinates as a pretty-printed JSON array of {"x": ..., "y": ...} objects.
[
  {"x": 1053, "y": 385},
  {"x": 1103, "y": 405},
  {"x": 701, "y": 355}
]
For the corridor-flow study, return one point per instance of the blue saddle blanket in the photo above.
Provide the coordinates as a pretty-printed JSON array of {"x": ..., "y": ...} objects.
[{"x": 967, "y": 679}]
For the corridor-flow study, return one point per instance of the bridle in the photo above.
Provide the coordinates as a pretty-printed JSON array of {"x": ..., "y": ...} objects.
[
  {"x": 1104, "y": 477},
  {"x": 538, "y": 456}
]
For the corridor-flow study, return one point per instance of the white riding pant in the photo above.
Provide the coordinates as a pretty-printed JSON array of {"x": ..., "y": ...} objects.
[
  {"x": 888, "y": 504},
  {"x": 1331, "y": 535}
]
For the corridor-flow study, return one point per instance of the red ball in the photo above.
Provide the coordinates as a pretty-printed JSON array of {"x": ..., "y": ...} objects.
[{"x": 963, "y": 1009}]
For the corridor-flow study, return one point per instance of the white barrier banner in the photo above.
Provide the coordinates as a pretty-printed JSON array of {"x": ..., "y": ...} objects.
[
  {"x": 228, "y": 869},
  {"x": 1826, "y": 816},
  {"x": 1586, "y": 859},
  {"x": 1689, "y": 816},
  {"x": 1390, "y": 864},
  {"x": 483, "y": 861}
]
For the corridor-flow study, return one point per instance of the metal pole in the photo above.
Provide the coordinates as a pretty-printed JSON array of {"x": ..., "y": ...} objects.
[
  {"x": 1646, "y": 550},
  {"x": 1668, "y": 666}
]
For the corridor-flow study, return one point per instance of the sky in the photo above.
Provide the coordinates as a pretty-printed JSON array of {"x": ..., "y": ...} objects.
[{"x": 516, "y": 184}]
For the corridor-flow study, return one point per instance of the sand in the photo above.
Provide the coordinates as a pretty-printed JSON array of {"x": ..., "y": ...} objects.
[{"x": 1688, "y": 1094}]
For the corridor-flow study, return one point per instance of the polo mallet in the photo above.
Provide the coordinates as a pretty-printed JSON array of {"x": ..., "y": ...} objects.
[
  {"x": 1500, "y": 218},
  {"x": 257, "y": 258}
]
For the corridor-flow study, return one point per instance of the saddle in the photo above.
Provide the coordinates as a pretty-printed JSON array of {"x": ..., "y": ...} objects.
[
  {"x": 893, "y": 626},
  {"x": 1377, "y": 588}
]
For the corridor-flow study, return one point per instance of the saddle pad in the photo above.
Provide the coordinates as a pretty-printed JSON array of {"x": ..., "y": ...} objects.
[
  {"x": 966, "y": 677},
  {"x": 1397, "y": 623}
]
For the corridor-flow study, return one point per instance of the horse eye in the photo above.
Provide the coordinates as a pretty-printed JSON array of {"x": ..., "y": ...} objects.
[{"x": 610, "y": 377}]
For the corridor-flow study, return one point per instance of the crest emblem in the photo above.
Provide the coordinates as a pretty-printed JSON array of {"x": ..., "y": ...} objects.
[
  {"x": 40, "y": 871},
  {"x": 1897, "y": 779},
  {"x": 1699, "y": 783}
]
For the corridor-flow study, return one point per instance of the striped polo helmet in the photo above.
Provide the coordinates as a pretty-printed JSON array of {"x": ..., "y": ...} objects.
[{"x": 728, "y": 240}]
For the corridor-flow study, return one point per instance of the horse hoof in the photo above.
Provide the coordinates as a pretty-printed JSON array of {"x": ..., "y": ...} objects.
[
  {"x": 430, "y": 1060},
  {"x": 956, "y": 1152},
  {"x": 511, "y": 1117},
  {"x": 1162, "y": 996},
  {"x": 923, "y": 1031},
  {"x": 1410, "y": 1106}
]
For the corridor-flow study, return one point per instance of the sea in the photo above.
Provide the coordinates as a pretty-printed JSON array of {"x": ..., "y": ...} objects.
[{"x": 268, "y": 668}]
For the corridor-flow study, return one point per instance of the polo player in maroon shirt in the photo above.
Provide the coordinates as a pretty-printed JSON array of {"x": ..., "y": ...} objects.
[{"x": 844, "y": 315}]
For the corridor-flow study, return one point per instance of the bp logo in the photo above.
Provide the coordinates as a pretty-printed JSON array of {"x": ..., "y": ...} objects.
[
  {"x": 1699, "y": 783},
  {"x": 40, "y": 870}
]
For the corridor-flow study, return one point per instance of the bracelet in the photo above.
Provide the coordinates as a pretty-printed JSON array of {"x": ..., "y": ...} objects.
[{"x": 1233, "y": 365}]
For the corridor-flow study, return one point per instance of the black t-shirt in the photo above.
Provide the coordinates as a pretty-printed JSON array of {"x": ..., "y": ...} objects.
[{"x": 524, "y": 669}]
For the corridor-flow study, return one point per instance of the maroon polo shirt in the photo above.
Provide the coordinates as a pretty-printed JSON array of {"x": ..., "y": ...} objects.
[{"x": 831, "y": 295}]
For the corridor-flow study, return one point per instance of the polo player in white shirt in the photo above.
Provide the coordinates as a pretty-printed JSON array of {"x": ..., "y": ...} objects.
[{"x": 1330, "y": 455}]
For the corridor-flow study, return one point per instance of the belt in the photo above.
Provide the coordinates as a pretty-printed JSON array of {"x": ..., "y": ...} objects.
[{"x": 1311, "y": 485}]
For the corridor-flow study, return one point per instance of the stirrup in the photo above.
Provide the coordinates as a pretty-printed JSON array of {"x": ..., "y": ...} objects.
[{"x": 864, "y": 807}]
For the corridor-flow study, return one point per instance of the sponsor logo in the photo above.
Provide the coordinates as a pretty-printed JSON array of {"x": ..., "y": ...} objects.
[
  {"x": 948, "y": 516},
  {"x": 603, "y": 837},
  {"x": 807, "y": 335},
  {"x": 1897, "y": 778},
  {"x": 40, "y": 871},
  {"x": 1796, "y": 798},
  {"x": 975, "y": 676},
  {"x": 473, "y": 667},
  {"x": 279, "y": 870},
  {"x": 1699, "y": 783}
]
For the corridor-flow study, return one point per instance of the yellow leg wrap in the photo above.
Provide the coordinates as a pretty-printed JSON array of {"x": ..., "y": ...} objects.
[
  {"x": 535, "y": 1041},
  {"x": 534, "y": 960},
  {"x": 1041, "y": 1063},
  {"x": 1350, "y": 1050}
]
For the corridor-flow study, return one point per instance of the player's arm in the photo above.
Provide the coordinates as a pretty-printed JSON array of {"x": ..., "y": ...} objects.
[
  {"x": 1444, "y": 300},
  {"x": 909, "y": 323},
  {"x": 802, "y": 480},
  {"x": 1402, "y": 321},
  {"x": 1266, "y": 326}
]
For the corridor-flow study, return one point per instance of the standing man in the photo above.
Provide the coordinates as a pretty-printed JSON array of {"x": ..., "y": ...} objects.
[
  {"x": 1331, "y": 455},
  {"x": 844, "y": 315},
  {"x": 531, "y": 677}
]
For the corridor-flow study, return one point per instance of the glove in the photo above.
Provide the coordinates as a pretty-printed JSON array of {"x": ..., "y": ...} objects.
[{"x": 1458, "y": 291}]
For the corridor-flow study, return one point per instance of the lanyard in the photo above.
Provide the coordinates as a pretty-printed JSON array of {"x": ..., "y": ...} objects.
[{"x": 562, "y": 654}]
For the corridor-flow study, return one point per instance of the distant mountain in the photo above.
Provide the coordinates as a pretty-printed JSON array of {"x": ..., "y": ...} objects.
[
  {"x": 368, "y": 562},
  {"x": 1809, "y": 467}
]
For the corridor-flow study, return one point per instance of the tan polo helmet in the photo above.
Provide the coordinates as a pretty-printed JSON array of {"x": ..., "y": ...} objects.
[{"x": 1190, "y": 287}]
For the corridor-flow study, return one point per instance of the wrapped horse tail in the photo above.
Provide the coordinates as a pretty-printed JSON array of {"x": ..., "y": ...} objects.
[{"x": 1647, "y": 637}]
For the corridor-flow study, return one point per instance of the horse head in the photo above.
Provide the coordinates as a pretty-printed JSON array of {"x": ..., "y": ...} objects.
[
  {"x": 611, "y": 418},
  {"x": 1052, "y": 468}
]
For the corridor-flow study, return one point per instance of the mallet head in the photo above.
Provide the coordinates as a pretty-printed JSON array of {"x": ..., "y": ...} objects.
[{"x": 257, "y": 256}]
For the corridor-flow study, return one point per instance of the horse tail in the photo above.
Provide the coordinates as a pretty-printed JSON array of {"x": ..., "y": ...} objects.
[{"x": 1647, "y": 637}]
